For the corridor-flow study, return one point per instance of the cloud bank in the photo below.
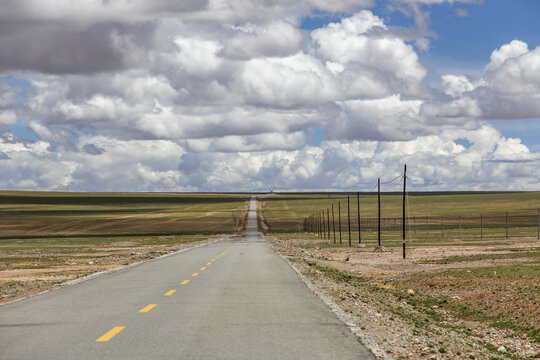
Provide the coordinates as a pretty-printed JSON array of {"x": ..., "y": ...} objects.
[{"x": 227, "y": 95}]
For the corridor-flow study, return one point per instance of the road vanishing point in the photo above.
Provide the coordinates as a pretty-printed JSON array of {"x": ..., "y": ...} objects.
[{"x": 232, "y": 299}]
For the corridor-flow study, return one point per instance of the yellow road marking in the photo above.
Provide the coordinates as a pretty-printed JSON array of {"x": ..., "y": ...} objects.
[
  {"x": 110, "y": 334},
  {"x": 194, "y": 274},
  {"x": 213, "y": 259},
  {"x": 209, "y": 263},
  {"x": 147, "y": 308},
  {"x": 203, "y": 268},
  {"x": 170, "y": 292},
  {"x": 184, "y": 282}
]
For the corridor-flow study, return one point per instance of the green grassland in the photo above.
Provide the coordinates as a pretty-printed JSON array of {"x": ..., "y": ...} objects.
[
  {"x": 430, "y": 216},
  {"x": 47, "y": 238},
  {"x": 47, "y": 214}
]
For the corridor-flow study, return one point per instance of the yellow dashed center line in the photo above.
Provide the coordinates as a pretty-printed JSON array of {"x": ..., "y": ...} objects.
[
  {"x": 110, "y": 334},
  {"x": 147, "y": 308},
  {"x": 117, "y": 329}
]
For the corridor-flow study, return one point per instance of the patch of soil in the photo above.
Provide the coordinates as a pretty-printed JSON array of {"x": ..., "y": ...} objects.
[
  {"x": 24, "y": 279},
  {"x": 365, "y": 284}
]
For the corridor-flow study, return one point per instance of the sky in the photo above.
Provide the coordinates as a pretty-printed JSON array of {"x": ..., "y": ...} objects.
[{"x": 253, "y": 95}]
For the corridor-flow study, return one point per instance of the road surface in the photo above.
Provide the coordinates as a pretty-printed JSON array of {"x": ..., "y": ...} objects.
[{"x": 233, "y": 299}]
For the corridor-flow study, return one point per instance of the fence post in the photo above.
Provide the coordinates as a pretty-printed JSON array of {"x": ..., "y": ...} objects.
[
  {"x": 403, "y": 219},
  {"x": 359, "y": 226},
  {"x": 538, "y": 223},
  {"x": 349, "y": 219},
  {"x": 460, "y": 227},
  {"x": 427, "y": 227},
  {"x": 323, "y": 225},
  {"x": 379, "y": 201},
  {"x": 507, "y": 225},
  {"x": 328, "y": 222},
  {"x": 339, "y": 220},
  {"x": 414, "y": 220},
  {"x": 333, "y": 223}
]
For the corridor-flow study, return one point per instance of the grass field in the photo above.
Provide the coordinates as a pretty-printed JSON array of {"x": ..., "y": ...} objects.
[
  {"x": 42, "y": 214},
  {"x": 430, "y": 216},
  {"x": 48, "y": 238}
]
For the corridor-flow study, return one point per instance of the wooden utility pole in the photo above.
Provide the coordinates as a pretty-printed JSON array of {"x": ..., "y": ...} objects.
[
  {"x": 328, "y": 222},
  {"x": 324, "y": 225},
  {"x": 404, "y": 192},
  {"x": 359, "y": 226},
  {"x": 333, "y": 224},
  {"x": 339, "y": 220},
  {"x": 349, "y": 219},
  {"x": 379, "y": 201},
  {"x": 320, "y": 225}
]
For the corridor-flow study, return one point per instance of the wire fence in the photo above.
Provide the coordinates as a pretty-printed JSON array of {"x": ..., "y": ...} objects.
[
  {"x": 503, "y": 225},
  {"x": 351, "y": 226},
  {"x": 496, "y": 225}
]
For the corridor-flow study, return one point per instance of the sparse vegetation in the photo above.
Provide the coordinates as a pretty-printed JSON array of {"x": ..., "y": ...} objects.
[
  {"x": 48, "y": 238},
  {"x": 448, "y": 298}
]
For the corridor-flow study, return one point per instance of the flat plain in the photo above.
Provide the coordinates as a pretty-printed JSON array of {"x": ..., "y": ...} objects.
[
  {"x": 462, "y": 292},
  {"x": 466, "y": 289},
  {"x": 47, "y": 238}
]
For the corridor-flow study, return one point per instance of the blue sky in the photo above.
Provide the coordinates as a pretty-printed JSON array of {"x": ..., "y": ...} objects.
[
  {"x": 148, "y": 95},
  {"x": 464, "y": 36},
  {"x": 470, "y": 39},
  {"x": 465, "y": 44}
]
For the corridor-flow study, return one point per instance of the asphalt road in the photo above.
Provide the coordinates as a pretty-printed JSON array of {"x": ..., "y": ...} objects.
[{"x": 234, "y": 299}]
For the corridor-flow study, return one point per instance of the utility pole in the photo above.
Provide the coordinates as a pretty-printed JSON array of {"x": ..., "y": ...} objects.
[
  {"x": 333, "y": 224},
  {"x": 359, "y": 226},
  {"x": 379, "y": 201},
  {"x": 339, "y": 220},
  {"x": 323, "y": 225},
  {"x": 404, "y": 192},
  {"x": 319, "y": 225},
  {"x": 328, "y": 222},
  {"x": 349, "y": 219}
]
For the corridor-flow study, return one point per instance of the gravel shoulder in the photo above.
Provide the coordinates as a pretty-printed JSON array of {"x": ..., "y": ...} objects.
[{"x": 408, "y": 309}]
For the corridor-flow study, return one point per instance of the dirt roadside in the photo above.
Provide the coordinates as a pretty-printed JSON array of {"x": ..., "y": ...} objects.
[
  {"x": 376, "y": 290},
  {"x": 20, "y": 278}
]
